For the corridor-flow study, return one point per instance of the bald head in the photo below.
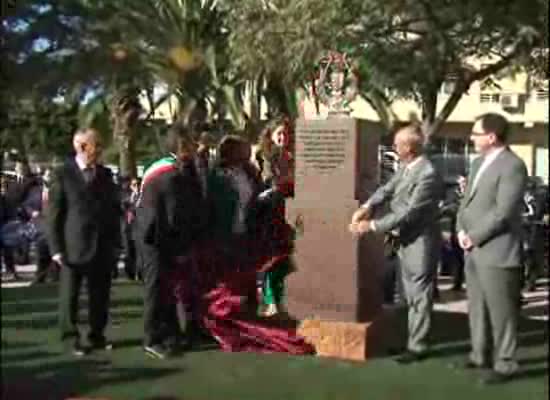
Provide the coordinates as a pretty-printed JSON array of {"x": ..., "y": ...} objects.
[
  {"x": 409, "y": 142},
  {"x": 86, "y": 143}
]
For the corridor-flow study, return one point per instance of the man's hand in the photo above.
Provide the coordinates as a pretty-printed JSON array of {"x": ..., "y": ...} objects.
[
  {"x": 58, "y": 259},
  {"x": 464, "y": 241},
  {"x": 361, "y": 227},
  {"x": 361, "y": 214}
]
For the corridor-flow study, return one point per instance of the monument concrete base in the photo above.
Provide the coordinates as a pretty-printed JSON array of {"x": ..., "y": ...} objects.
[{"x": 356, "y": 341}]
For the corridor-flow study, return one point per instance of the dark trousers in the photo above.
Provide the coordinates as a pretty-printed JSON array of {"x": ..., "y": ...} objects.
[
  {"x": 98, "y": 278},
  {"x": 160, "y": 318},
  {"x": 452, "y": 260},
  {"x": 44, "y": 260},
  {"x": 129, "y": 251}
]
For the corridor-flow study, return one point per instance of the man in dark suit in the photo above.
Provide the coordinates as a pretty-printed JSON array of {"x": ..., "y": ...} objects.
[
  {"x": 171, "y": 218},
  {"x": 7, "y": 214},
  {"x": 20, "y": 190},
  {"x": 83, "y": 226},
  {"x": 413, "y": 194},
  {"x": 490, "y": 231}
]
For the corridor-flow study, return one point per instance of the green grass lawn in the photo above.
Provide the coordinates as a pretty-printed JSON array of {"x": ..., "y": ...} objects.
[{"x": 33, "y": 366}]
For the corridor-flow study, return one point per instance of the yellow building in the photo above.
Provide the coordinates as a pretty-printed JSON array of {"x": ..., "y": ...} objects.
[{"x": 524, "y": 106}]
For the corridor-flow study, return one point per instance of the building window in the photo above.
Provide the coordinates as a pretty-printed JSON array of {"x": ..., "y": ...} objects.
[
  {"x": 492, "y": 98},
  {"x": 542, "y": 95}
]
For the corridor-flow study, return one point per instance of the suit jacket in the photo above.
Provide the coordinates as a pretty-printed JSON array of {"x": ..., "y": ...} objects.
[
  {"x": 7, "y": 211},
  {"x": 83, "y": 218},
  {"x": 224, "y": 200},
  {"x": 413, "y": 198},
  {"x": 491, "y": 213},
  {"x": 172, "y": 214}
]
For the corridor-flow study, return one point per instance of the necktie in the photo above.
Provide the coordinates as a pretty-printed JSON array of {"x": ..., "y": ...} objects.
[
  {"x": 45, "y": 198},
  {"x": 88, "y": 174}
]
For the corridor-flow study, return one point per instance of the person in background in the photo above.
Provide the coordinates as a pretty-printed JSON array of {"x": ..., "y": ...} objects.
[
  {"x": 452, "y": 257},
  {"x": 203, "y": 160},
  {"x": 38, "y": 207},
  {"x": 19, "y": 192},
  {"x": 533, "y": 240},
  {"x": 129, "y": 203},
  {"x": 7, "y": 214}
]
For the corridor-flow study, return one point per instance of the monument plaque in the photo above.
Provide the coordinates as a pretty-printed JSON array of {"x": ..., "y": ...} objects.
[{"x": 338, "y": 277}]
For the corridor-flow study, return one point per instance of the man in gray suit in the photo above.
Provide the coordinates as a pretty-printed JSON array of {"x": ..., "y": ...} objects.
[
  {"x": 489, "y": 231},
  {"x": 413, "y": 194}
]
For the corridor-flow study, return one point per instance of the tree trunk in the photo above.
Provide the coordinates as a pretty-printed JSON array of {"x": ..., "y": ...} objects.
[
  {"x": 432, "y": 123},
  {"x": 126, "y": 154},
  {"x": 429, "y": 110},
  {"x": 125, "y": 109}
]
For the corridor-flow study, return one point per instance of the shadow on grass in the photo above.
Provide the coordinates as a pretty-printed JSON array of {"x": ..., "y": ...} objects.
[
  {"x": 127, "y": 302},
  {"x": 16, "y": 358},
  {"x": 49, "y": 321},
  {"x": 451, "y": 336},
  {"x": 26, "y": 322},
  {"x": 531, "y": 373},
  {"x": 47, "y": 291},
  {"x": 534, "y": 360},
  {"x": 67, "y": 379},
  {"x": 18, "y": 308},
  {"x": 130, "y": 342},
  {"x": 15, "y": 345},
  {"x": 125, "y": 315}
]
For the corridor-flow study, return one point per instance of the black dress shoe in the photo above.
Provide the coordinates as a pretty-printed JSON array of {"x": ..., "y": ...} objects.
[
  {"x": 101, "y": 345},
  {"x": 79, "y": 351},
  {"x": 410, "y": 357},
  {"x": 396, "y": 351},
  {"x": 157, "y": 351},
  {"x": 495, "y": 378}
]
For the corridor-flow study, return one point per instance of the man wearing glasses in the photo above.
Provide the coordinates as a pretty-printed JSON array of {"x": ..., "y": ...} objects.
[{"x": 489, "y": 231}]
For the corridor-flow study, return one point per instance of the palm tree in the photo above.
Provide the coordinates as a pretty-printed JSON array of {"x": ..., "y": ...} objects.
[{"x": 182, "y": 43}]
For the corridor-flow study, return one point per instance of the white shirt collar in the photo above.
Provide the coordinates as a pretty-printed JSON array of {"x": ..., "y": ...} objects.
[
  {"x": 81, "y": 164},
  {"x": 490, "y": 157},
  {"x": 411, "y": 165}
]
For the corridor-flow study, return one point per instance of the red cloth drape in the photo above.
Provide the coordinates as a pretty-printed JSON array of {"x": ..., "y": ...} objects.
[{"x": 218, "y": 286}]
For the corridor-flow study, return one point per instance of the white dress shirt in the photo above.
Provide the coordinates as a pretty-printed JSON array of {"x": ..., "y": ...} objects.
[{"x": 489, "y": 158}]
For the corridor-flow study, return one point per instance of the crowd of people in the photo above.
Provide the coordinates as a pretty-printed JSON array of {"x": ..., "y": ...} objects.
[{"x": 208, "y": 238}]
